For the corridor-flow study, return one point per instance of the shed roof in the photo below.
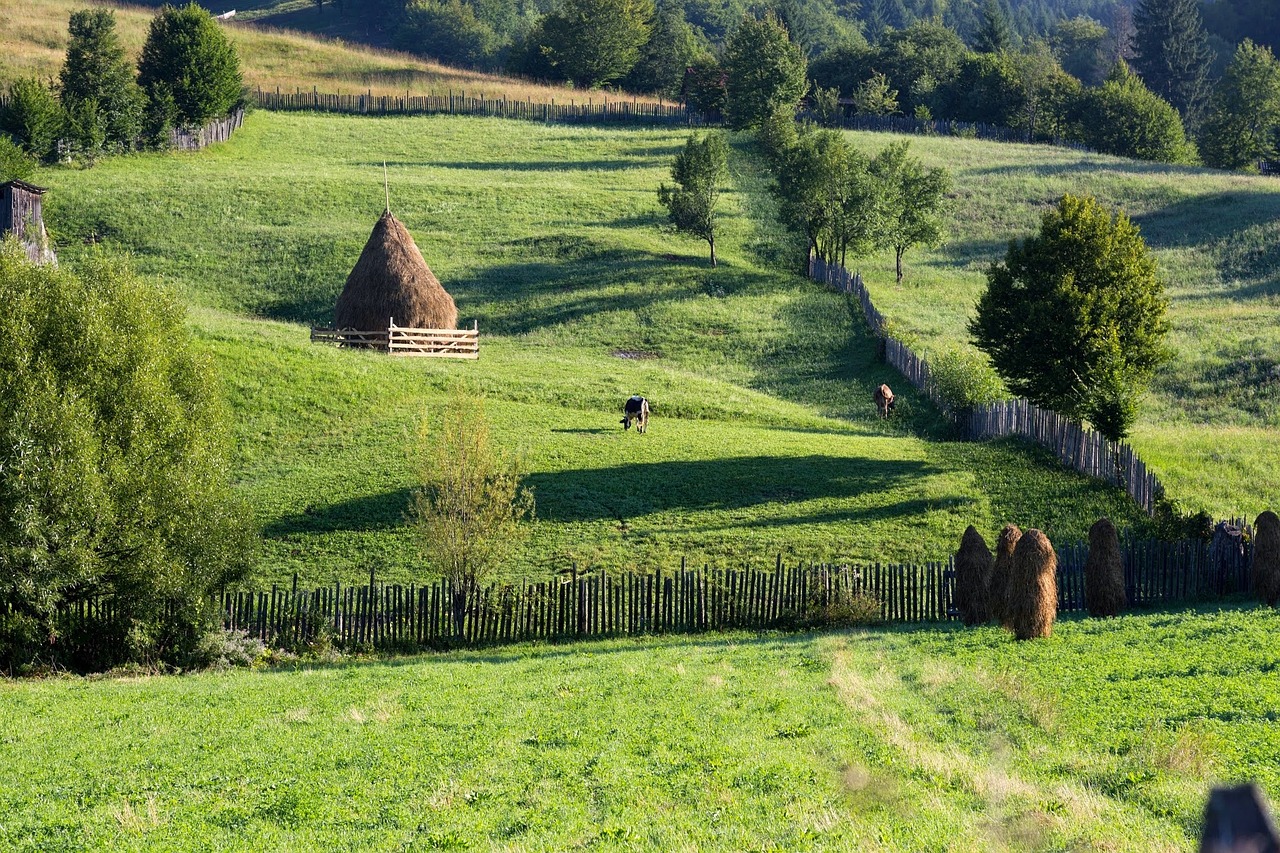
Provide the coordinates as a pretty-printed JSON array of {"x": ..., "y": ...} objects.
[{"x": 23, "y": 185}]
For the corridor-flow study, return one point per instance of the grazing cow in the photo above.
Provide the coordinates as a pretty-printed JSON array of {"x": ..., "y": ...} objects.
[
  {"x": 884, "y": 400},
  {"x": 636, "y": 409}
]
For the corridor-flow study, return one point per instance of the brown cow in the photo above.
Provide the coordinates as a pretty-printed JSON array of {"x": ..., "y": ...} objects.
[{"x": 884, "y": 400}]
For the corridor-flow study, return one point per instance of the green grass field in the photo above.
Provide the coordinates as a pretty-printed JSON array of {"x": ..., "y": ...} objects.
[
  {"x": 1211, "y": 424},
  {"x": 764, "y": 438},
  {"x": 1105, "y": 737}
]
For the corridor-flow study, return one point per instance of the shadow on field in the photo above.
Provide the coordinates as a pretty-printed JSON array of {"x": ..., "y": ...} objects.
[
  {"x": 1087, "y": 165},
  {"x": 632, "y": 490},
  {"x": 1214, "y": 218},
  {"x": 516, "y": 165},
  {"x": 361, "y": 515}
]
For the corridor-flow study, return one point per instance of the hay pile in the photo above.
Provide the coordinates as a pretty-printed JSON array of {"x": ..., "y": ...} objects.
[
  {"x": 1033, "y": 587},
  {"x": 1104, "y": 571},
  {"x": 391, "y": 281},
  {"x": 998, "y": 590},
  {"x": 1266, "y": 557},
  {"x": 973, "y": 578}
]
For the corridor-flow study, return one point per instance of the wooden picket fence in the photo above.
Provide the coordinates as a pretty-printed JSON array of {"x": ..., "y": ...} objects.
[
  {"x": 603, "y": 604},
  {"x": 598, "y": 108},
  {"x": 403, "y": 341},
  {"x": 1075, "y": 445},
  {"x": 218, "y": 130}
]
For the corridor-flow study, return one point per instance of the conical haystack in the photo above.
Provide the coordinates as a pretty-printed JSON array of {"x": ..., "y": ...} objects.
[
  {"x": 973, "y": 578},
  {"x": 391, "y": 281}
]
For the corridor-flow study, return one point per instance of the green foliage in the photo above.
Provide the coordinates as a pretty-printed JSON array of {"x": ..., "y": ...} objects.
[
  {"x": 918, "y": 60},
  {"x": 33, "y": 117},
  {"x": 1171, "y": 51},
  {"x": 825, "y": 105},
  {"x": 469, "y": 510},
  {"x": 113, "y": 478},
  {"x": 15, "y": 164},
  {"x": 914, "y": 200},
  {"x": 1081, "y": 46},
  {"x": 699, "y": 170},
  {"x": 965, "y": 378},
  {"x": 1125, "y": 118},
  {"x": 449, "y": 31},
  {"x": 874, "y": 97},
  {"x": 766, "y": 72},
  {"x": 1243, "y": 125},
  {"x": 98, "y": 78},
  {"x": 705, "y": 87},
  {"x": 594, "y": 42},
  {"x": 994, "y": 34},
  {"x": 1074, "y": 318},
  {"x": 673, "y": 47},
  {"x": 189, "y": 60}
]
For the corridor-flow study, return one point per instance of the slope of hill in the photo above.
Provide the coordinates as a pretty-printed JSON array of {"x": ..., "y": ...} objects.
[
  {"x": 764, "y": 439},
  {"x": 1212, "y": 422},
  {"x": 34, "y": 36}
]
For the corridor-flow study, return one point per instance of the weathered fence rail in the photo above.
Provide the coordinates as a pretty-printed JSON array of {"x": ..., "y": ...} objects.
[
  {"x": 218, "y": 130},
  {"x": 604, "y": 604},
  {"x": 399, "y": 340},
  {"x": 1075, "y": 445},
  {"x": 595, "y": 109}
]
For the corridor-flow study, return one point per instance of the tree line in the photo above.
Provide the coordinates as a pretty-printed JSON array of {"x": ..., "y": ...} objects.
[{"x": 188, "y": 73}]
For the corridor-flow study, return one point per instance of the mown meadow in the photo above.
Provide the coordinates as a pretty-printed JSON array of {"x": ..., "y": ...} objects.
[
  {"x": 1210, "y": 424},
  {"x": 1106, "y": 736},
  {"x": 764, "y": 438}
]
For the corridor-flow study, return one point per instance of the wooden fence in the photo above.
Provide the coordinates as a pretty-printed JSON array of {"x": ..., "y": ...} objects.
[
  {"x": 218, "y": 130},
  {"x": 1075, "y": 445},
  {"x": 602, "y": 604},
  {"x": 399, "y": 340},
  {"x": 595, "y": 109}
]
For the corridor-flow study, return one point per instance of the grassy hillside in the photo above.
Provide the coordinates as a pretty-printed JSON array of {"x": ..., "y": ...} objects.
[
  {"x": 1105, "y": 737},
  {"x": 1212, "y": 423},
  {"x": 764, "y": 438},
  {"x": 33, "y": 35}
]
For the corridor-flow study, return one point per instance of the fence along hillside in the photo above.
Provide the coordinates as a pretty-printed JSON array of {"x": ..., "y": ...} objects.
[
  {"x": 596, "y": 109},
  {"x": 602, "y": 604},
  {"x": 1074, "y": 444}
]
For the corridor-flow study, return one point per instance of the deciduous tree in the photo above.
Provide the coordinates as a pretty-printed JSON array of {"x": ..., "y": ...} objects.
[
  {"x": 766, "y": 72},
  {"x": 698, "y": 171},
  {"x": 914, "y": 200},
  {"x": 1074, "y": 318},
  {"x": 32, "y": 117},
  {"x": 1125, "y": 118},
  {"x": 594, "y": 42},
  {"x": 1243, "y": 126}
]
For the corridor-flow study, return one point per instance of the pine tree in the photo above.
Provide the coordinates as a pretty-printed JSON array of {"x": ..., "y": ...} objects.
[
  {"x": 189, "y": 60},
  {"x": 1171, "y": 52},
  {"x": 994, "y": 34},
  {"x": 98, "y": 76}
]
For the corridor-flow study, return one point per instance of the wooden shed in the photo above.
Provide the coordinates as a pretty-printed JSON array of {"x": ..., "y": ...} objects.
[{"x": 22, "y": 215}]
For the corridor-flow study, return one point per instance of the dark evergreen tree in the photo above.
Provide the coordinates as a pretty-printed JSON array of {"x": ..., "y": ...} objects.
[
  {"x": 994, "y": 34},
  {"x": 188, "y": 60},
  {"x": 672, "y": 48},
  {"x": 1171, "y": 53},
  {"x": 32, "y": 116},
  {"x": 98, "y": 76}
]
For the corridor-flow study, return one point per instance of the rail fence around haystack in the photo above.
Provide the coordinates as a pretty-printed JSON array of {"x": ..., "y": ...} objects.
[
  {"x": 594, "y": 109},
  {"x": 399, "y": 340},
  {"x": 601, "y": 604},
  {"x": 1075, "y": 445}
]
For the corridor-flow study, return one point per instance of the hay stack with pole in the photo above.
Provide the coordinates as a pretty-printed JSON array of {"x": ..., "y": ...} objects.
[
  {"x": 1033, "y": 587},
  {"x": 1266, "y": 557},
  {"x": 1104, "y": 571},
  {"x": 998, "y": 589},
  {"x": 973, "y": 578},
  {"x": 391, "y": 282}
]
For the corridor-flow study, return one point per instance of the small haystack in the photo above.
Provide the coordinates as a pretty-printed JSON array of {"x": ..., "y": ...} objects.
[
  {"x": 391, "y": 281},
  {"x": 1104, "y": 571},
  {"x": 998, "y": 589},
  {"x": 973, "y": 578},
  {"x": 1033, "y": 587},
  {"x": 1266, "y": 557}
]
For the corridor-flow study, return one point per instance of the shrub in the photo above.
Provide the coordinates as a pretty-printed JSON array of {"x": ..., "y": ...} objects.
[
  {"x": 973, "y": 578},
  {"x": 1266, "y": 557},
  {"x": 33, "y": 117},
  {"x": 15, "y": 164},
  {"x": 113, "y": 480},
  {"x": 1033, "y": 587},
  {"x": 965, "y": 378},
  {"x": 1001, "y": 572},
  {"x": 188, "y": 59},
  {"x": 1104, "y": 571}
]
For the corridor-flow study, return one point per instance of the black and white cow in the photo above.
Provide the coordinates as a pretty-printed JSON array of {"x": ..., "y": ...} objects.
[{"x": 636, "y": 409}]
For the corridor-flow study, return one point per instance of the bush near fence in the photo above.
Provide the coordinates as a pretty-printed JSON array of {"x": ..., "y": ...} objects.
[
  {"x": 1074, "y": 444},
  {"x": 603, "y": 604}
]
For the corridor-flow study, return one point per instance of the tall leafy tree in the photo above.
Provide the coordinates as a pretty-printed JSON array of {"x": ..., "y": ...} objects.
[
  {"x": 1243, "y": 125},
  {"x": 113, "y": 474},
  {"x": 1171, "y": 52},
  {"x": 1081, "y": 46},
  {"x": 698, "y": 172},
  {"x": 98, "y": 76},
  {"x": 671, "y": 49},
  {"x": 448, "y": 31},
  {"x": 1074, "y": 317},
  {"x": 766, "y": 72},
  {"x": 1125, "y": 118},
  {"x": 914, "y": 201},
  {"x": 594, "y": 42},
  {"x": 994, "y": 34},
  {"x": 189, "y": 59}
]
